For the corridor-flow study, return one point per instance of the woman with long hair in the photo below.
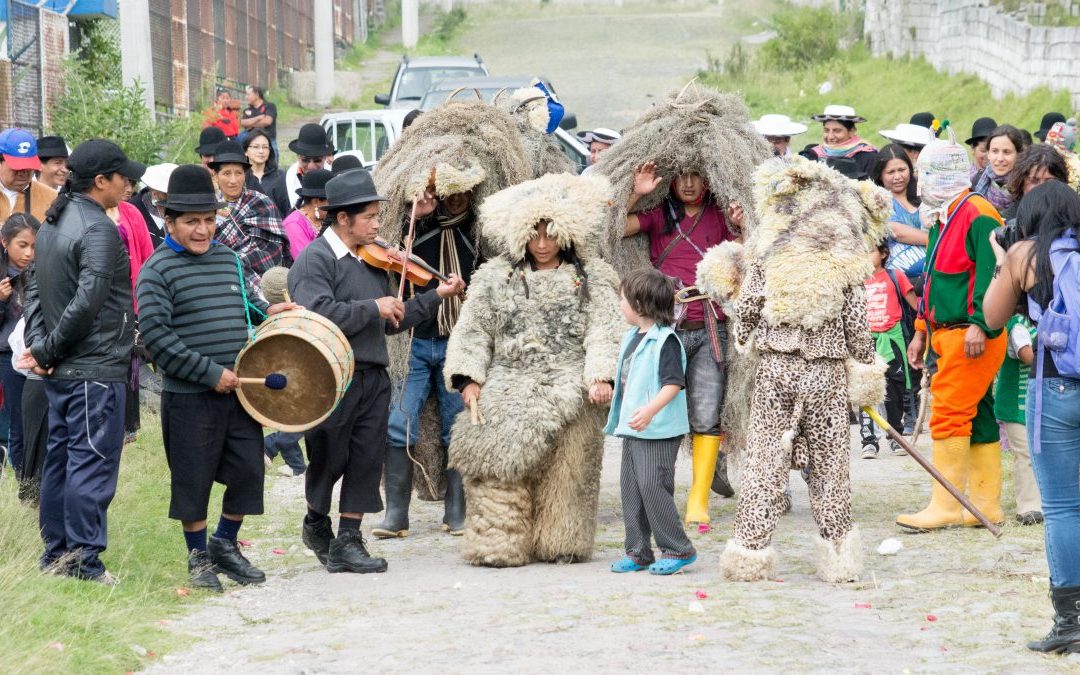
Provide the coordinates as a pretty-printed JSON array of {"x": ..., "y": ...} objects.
[
  {"x": 1049, "y": 220},
  {"x": 18, "y": 235},
  {"x": 263, "y": 174},
  {"x": 1036, "y": 165},
  {"x": 907, "y": 237},
  {"x": 1004, "y": 145}
]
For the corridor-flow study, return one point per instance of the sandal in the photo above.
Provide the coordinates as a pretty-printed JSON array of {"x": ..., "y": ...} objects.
[
  {"x": 667, "y": 566},
  {"x": 626, "y": 564}
]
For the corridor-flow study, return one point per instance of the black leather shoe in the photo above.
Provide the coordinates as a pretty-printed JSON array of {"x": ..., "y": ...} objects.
[
  {"x": 317, "y": 537},
  {"x": 1064, "y": 637},
  {"x": 201, "y": 572},
  {"x": 348, "y": 554},
  {"x": 454, "y": 504},
  {"x": 228, "y": 560}
]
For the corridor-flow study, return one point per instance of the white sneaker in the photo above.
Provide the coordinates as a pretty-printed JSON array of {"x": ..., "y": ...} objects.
[
  {"x": 869, "y": 451},
  {"x": 897, "y": 449}
]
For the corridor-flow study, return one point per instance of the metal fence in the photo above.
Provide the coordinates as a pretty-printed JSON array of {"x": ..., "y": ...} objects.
[{"x": 24, "y": 52}]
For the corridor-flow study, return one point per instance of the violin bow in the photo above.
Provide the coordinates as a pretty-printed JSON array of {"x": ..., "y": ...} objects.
[{"x": 408, "y": 249}]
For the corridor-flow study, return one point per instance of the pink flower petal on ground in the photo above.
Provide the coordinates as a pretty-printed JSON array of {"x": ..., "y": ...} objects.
[
  {"x": 703, "y": 528},
  {"x": 278, "y": 551},
  {"x": 862, "y": 605},
  {"x": 246, "y": 543},
  {"x": 701, "y": 595},
  {"x": 183, "y": 592},
  {"x": 931, "y": 617},
  {"x": 164, "y": 622},
  {"x": 58, "y": 646}
]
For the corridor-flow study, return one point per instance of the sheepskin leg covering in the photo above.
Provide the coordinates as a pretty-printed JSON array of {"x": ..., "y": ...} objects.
[
  {"x": 566, "y": 493},
  {"x": 739, "y": 563},
  {"x": 499, "y": 523},
  {"x": 840, "y": 561}
]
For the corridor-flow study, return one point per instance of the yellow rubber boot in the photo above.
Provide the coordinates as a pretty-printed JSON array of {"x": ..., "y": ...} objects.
[
  {"x": 984, "y": 483},
  {"x": 951, "y": 457},
  {"x": 705, "y": 451}
]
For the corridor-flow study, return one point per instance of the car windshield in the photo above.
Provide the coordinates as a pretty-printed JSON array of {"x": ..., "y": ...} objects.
[
  {"x": 416, "y": 81},
  {"x": 434, "y": 98}
]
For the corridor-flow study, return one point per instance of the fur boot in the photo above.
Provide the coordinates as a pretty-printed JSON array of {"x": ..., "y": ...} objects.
[
  {"x": 739, "y": 563},
  {"x": 566, "y": 494},
  {"x": 499, "y": 523},
  {"x": 840, "y": 561}
]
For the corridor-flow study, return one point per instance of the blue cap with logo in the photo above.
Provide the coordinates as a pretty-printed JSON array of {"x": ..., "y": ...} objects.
[{"x": 19, "y": 149}]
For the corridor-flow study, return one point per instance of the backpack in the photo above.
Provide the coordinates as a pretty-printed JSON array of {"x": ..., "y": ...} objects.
[{"x": 1058, "y": 322}]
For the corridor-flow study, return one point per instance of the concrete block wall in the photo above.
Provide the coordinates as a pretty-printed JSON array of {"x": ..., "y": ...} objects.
[{"x": 965, "y": 36}]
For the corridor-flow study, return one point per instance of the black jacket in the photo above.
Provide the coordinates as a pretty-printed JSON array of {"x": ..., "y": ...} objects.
[
  {"x": 273, "y": 186},
  {"x": 79, "y": 313}
]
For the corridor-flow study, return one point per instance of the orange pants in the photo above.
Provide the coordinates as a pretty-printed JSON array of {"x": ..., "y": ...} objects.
[{"x": 962, "y": 398}]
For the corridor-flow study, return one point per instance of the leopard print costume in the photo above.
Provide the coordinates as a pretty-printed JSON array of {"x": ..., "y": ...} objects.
[{"x": 808, "y": 325}]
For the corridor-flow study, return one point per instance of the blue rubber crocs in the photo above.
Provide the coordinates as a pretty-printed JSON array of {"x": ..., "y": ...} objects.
[
  {"x": 626, "y": 564},
  {"x": 670, "y": 565}
]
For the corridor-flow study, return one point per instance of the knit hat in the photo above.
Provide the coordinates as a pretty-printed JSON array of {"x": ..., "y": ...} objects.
[{"x": 191, "y": 190}]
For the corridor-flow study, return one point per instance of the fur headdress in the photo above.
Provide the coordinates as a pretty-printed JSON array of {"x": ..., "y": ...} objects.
[
  {"x": 574, "y": 207},
  {"x": 695, "y": 130},
  {"x": 459, "y": 146},
  {"x": 528, "y": 107},
  {"x": 815, "y": 229}
]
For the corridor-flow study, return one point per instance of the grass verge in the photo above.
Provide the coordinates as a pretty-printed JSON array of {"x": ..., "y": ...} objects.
[{"x": 885, "y": 91}]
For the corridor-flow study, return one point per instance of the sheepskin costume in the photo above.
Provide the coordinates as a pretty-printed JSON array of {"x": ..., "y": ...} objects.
[
  {"x": 528, "y": 107},
  {"x": 695, "y": 130},
  {"x": 457, "y": 147},
  {"x": 535, "y": 341},
  {"x": 796, "y": 295}
]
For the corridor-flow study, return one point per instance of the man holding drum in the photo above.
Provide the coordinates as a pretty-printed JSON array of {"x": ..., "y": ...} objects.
[
  {"x": 195, "y": 310},
  {"x": 329, "y": 278}
]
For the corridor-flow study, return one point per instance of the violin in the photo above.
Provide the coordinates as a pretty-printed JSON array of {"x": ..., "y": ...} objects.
[{"x": 384, "y": 256}]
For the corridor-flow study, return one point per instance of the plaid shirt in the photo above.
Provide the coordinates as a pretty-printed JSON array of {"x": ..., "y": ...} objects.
[{"x": 253, "y": 230}]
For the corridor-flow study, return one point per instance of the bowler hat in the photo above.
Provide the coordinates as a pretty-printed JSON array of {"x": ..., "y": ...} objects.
[
  {"x": 343, "y": 163},
  {"x": 311, "y": 142},
  {"x": 350, "y": 188},
  {"x": 208, "y": 140},
  {"x": 981, "y": 129},
  {"x": 925, "y": 119},
  {"x": 313, "y": 184},
  {"x": 49, "y": 147},
  {"x": 99, "y": 157},
  {"x": 1048, "y": 121},
  {"x": 229, "y": 152},
  {"x": 191, "y": 190}
]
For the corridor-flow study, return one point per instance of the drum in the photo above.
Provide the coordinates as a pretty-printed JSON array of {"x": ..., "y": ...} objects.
[{"x": 314, "y": 356}]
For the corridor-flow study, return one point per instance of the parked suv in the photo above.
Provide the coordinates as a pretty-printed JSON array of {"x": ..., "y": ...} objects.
[{"x": 416, "y": 75}]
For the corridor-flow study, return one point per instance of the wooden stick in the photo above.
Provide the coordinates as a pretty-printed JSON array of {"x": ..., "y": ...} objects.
[
  {"x": 475, "y": 415},
  {"x": 252, "y": 380},
  {"x": 924, "y": 406},
  {"x": 932, "y": 470}
]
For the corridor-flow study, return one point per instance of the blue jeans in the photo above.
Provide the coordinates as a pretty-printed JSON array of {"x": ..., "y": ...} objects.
[
  {"x": 78, "y": 480},
  {"x": 425, "y": 372},
  {"x": 706, "y": 379},
  {"x": 287, "y": 444},
  {"x": 12, "y": 381},
  {"x": 1057, "y": 471}
]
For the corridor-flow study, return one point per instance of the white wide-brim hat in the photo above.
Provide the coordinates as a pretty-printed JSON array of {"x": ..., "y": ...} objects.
[
  {"x": 909, "y": 134},
  {"x": 600, "y": 134},
  {"x": 842, "y": 113},
  {"x": 778, "y": 125},
  {"x": 156, "y": 177}
]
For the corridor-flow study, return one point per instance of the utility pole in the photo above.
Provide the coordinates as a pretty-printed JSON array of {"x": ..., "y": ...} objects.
[
  {"x": 137, "y": 64},
  {"x": 323, "y": 20},
  {"x": 410, "y": 23}
]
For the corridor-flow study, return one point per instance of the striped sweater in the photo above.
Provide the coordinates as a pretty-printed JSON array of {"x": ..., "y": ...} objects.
[{"x": 191, "y": 315}]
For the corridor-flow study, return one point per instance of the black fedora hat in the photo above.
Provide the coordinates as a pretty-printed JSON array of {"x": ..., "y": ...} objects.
[
  {"x": 50, "y": 147},
  {"x": 350, "y": 188},
  {"x": 191, "y": 189},
  {"x": 981, "y": 129},
  {"x": 1048, "y": 121},
  {"x": 229, "y": 152},
  {"x": 313, "y": 183},
  {"x": 209, "y": 138},
  {"x": 311, "y": 142}
]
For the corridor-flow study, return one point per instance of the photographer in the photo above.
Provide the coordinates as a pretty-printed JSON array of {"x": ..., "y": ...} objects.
[{"x": 1048, "y": 219}]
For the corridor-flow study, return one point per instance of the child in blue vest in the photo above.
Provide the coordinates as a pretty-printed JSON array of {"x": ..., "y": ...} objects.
[{"x": 648, "y": 411}]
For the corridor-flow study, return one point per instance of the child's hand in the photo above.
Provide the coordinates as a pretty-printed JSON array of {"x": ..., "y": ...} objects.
[
  {"x": 600, "y": 393},
  {"x": 641, "y": 418}
]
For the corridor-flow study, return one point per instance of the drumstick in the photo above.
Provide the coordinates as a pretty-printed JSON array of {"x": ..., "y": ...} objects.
[{"x": 272, "y": 381}]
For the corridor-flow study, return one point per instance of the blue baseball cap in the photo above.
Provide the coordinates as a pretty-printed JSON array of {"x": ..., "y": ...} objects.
[{"x": 19, "y": 148}]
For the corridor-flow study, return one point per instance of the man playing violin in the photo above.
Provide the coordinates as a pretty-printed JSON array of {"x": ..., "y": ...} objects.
[
  {"x": 330, "y": 278},
  {"x": 445, "y": 239}
]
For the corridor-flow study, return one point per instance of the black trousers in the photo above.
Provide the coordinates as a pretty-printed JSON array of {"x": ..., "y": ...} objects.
[
  {"x": 209, "y": 438},
  {"x": 894, "y": 399},
  {"x": 350, "y": 446},
  {"x": 35, "y": 420}
]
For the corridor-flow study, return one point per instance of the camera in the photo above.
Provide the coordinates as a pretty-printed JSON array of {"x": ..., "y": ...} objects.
[{"x": 1007, "y": 235}]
